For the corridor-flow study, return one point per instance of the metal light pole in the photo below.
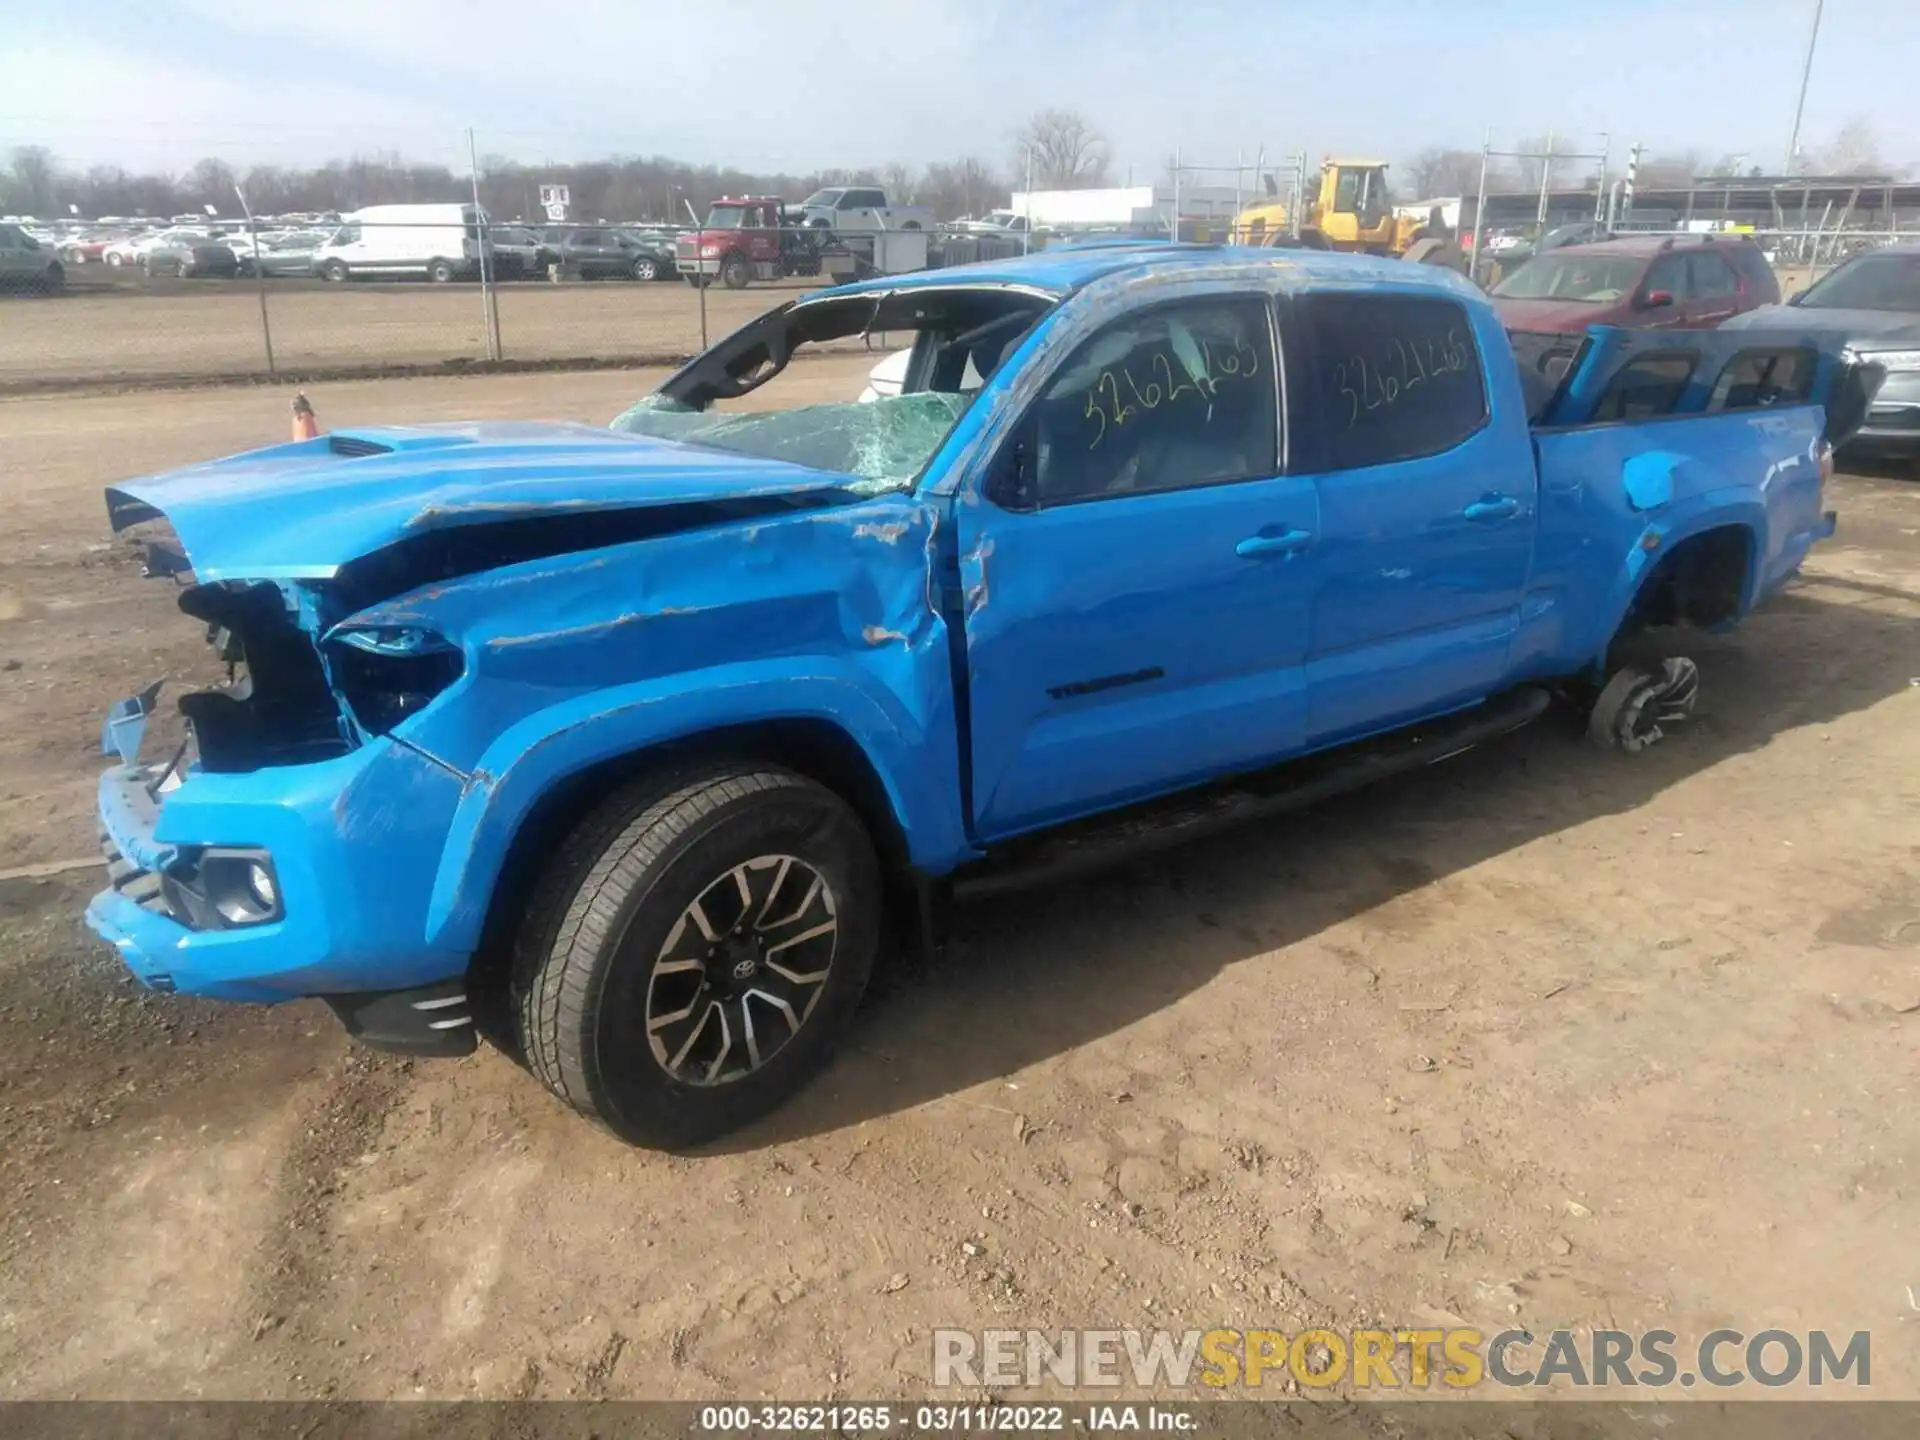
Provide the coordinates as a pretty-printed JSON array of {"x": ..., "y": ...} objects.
[
  {"x": 1026, "y": 236},
  {"x": 1806, "y": 73}
]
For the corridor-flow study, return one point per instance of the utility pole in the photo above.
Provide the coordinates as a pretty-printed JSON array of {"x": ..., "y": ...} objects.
[{"x": 1806, "y": 73}]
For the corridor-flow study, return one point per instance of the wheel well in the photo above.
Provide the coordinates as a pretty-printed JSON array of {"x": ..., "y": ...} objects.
[
  {"x": 817, "y": 749},
  {"x": 1701, "y": 581}
]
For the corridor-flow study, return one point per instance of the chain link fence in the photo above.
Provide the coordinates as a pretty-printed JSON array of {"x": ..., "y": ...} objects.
[
  {"x": 425, "y": 294},
  {"x": 434, "y": 291}
]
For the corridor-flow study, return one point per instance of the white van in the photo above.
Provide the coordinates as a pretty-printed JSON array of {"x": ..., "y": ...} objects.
[{"x": 441, "y": 242}]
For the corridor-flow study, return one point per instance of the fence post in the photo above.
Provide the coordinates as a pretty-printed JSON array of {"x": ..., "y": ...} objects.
[
  {"x": 1174, "y": 235},
  {"x": 1480, "y": 211},
  {"x": 1546, "y": 180},
  {"x": 489, "y": 317},
  {"x": 699, "y": 271},
  {"x": 259, "y": 278}
]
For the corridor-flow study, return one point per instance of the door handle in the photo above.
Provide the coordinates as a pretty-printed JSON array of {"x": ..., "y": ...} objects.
[
  {"x": 1285, "y": 543},
  {"x": 1492, "y": 507}
]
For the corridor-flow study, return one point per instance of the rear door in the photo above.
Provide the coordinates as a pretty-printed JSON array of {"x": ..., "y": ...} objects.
[
  {"x": 1428, "y": 506},
  {"x": 1138, "y": 575}
]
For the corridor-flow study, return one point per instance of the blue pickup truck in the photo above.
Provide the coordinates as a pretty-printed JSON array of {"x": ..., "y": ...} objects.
[{"x": 633, "y": 747}]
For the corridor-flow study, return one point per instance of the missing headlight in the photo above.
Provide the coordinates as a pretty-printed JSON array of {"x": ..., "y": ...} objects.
[{"x": 387, "y": 675}]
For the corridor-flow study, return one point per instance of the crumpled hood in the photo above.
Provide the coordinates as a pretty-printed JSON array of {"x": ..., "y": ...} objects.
[
  {"x": 1550, "y": 317},
  {"x": 301, "y": 511}
]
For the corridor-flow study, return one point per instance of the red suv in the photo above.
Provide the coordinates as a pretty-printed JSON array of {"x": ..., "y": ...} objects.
[{"x": 1656, "y": 282}]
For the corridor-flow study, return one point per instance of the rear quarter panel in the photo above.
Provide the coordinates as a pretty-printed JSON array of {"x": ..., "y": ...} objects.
[{"x": 1615, "y": 498}]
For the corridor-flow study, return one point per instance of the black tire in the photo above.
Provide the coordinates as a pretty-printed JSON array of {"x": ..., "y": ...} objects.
[
  {"x": 615, "y": 911},
  {"x": 440, "y": 271},
  {"x": 735, "y": 273},
  {"x": 335, "y": 272},
  {"x": 645, "y": 268}
]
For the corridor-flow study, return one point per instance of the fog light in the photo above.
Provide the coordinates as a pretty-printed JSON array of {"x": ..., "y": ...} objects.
[{"x": 260, "y": 884}]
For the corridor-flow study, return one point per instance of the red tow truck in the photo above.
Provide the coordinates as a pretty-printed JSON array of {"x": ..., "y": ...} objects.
[{"x": 747, "y": 239}]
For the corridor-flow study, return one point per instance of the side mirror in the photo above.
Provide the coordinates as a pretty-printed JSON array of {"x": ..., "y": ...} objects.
[{"x": 1656, "y": 299}]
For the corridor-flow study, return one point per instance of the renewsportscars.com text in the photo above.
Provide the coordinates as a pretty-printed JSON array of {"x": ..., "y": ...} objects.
[{"x": 1379, "y": 1360}]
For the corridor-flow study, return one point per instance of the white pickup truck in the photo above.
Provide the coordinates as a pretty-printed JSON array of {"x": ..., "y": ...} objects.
[{"x": 859, "y": 209}]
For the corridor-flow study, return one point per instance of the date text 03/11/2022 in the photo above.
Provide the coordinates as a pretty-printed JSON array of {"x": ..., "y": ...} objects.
[{"x": 943, "y": 1419}]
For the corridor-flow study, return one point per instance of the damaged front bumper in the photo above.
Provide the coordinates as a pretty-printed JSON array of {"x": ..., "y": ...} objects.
[{"x": 342, "y": 855}]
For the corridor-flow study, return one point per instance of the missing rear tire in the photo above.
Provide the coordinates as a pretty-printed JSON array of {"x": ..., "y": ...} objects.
[{"x": 1634, "y": 708}]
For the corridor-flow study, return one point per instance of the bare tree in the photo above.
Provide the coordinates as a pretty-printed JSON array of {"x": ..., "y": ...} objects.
[
  {"x": 1669, "y": 171},
  {"x": 902, "y": 181},
  {"x": 210, "y": 182},
  {"x": 1854, "y": 150},
  {"x": 966, "y": 186},
  {"x": 1068, "y": 151},
  {"x": 1438, "y": 171},
  {"x": 30, "y": 182}
]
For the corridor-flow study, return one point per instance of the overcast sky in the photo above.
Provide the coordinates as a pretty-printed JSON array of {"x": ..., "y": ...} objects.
[{"x": 798, "y": 84}]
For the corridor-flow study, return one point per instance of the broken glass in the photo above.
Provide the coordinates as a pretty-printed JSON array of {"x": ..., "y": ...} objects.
[{"x": 885, "y": 442}]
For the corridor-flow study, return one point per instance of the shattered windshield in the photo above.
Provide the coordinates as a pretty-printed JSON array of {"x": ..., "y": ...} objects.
[
  {"x": 908, "y": 365},
  {"x": 1591, "y": 279},
  {"x": 1876, "y": 282},
  {"x": 885, "y": 442}
]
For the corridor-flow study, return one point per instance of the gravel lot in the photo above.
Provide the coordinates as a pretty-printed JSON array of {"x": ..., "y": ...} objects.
[{"x": 1543, "y": 1037}]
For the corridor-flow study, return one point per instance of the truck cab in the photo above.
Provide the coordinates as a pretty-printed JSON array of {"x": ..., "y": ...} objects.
[{"x": 744, "y": 238}]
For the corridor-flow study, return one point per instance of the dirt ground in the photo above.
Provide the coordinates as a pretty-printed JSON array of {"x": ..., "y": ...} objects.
[
  {"x": 1542, "y": 1037},
  {"x": 212, "y": 327}
]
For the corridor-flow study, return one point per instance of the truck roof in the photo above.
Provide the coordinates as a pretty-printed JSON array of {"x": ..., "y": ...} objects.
[{"x": 1065, "y": 269}]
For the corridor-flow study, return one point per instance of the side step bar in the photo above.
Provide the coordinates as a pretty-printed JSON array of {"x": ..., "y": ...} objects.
[{"x": 1157, "y": 825}]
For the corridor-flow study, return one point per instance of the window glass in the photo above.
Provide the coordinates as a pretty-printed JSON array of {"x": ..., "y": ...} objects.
[
  {"x": 1161, "y": 400},
  {"x": 1669, "y": 273},
  {"x": 1647, "y": 387},
  {"x": 1708, "y": 277},
  {"x": 1870, "y": 282},
  {"x": 1765, "y": 377},
  {"x": 1396, "y": 377}
]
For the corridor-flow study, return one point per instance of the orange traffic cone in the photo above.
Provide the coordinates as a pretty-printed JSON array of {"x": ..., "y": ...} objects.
[{"x": 304, "y": 425}]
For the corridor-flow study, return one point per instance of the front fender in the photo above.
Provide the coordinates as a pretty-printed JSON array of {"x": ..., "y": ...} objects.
[{"x": 915, "y": 756}]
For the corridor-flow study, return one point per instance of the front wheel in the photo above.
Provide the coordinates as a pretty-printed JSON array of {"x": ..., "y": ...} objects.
[
  {"x": 645, "y": 269},
  {"x": 693, "y": 950},
  {"x": 440, "y": 271},
  {"x": 734, "y": 273},
  {"x": 334, "y": 271}
]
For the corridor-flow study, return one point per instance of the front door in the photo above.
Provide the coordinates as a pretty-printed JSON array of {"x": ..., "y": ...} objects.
[
  {"x": 1137, "y": 580},
  {"x": 1428, "y": 508}
]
